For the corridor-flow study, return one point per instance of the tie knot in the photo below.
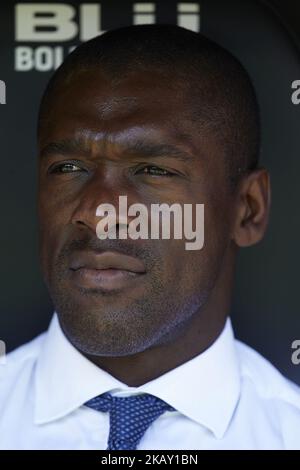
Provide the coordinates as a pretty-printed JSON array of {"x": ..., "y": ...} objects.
[
  {"x": 130, "y": 416},
  {"x": 143, "y": 401}
]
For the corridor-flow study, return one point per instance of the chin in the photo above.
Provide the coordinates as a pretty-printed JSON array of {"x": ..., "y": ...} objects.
[{"x": 106, "y": 332}]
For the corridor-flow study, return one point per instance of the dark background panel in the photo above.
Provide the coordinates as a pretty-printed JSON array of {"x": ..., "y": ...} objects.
[{"x": 265, "y": 307}]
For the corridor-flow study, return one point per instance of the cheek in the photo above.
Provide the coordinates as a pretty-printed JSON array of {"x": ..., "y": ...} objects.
[
  {"x": 53, "y": 225},
  {"x": 55, "y": 205},
  {"x": 51, "y": 218},
  {"x": 199, "y": 266},
  {"x": 217, "y": 229}
]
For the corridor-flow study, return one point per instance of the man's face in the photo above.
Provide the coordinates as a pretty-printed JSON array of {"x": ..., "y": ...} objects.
[{"x": 92, "y": 150}]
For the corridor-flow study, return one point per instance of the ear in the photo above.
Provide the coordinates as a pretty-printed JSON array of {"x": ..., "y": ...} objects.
[{"x": 253, "y": 201}]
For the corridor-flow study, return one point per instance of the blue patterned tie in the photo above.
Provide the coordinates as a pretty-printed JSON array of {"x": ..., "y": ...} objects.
[{"x": 129, "y": 416}]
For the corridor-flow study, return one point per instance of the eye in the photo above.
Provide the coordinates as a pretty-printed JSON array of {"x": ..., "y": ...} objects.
[
  {"x": 154, "y": 171},
  {"x": 67, "y": 167}
]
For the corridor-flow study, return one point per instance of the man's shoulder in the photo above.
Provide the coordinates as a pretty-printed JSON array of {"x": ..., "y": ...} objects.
[
  {"x": 19, "y": 363},
  {"x": 270, "y": 384},
  {"x": 270, "y": 395},
  {"x": 26, "y": 351}
]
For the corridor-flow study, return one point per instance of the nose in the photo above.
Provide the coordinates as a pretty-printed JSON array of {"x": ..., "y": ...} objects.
[{"x": 102, "y": 188}]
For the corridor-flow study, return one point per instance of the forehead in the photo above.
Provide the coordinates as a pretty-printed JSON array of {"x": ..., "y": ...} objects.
[
  {"x": 93, "y": 93},
  {"x": 138, "y": 106}
]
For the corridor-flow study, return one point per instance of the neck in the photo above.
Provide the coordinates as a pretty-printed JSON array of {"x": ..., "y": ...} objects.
[{"x": 187, "y": 342}]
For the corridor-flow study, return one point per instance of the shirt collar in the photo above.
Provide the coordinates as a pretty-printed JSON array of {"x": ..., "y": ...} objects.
[{"x": 206, "y": 388}]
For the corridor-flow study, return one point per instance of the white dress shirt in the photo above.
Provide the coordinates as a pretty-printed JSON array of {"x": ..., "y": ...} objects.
[{"x": 228, "y": 397}]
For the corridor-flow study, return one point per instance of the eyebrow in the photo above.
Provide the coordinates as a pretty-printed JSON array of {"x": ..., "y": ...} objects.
[
  {"x": 140, "y": 148},
  {"x": 64, "y": 147}
]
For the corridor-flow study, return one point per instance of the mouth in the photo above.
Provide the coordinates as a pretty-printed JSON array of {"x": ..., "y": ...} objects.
[{"x": 107, "y": 270}]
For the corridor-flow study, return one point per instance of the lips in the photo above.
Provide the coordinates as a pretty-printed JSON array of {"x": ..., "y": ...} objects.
[{"x": 107, "y": 270}]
